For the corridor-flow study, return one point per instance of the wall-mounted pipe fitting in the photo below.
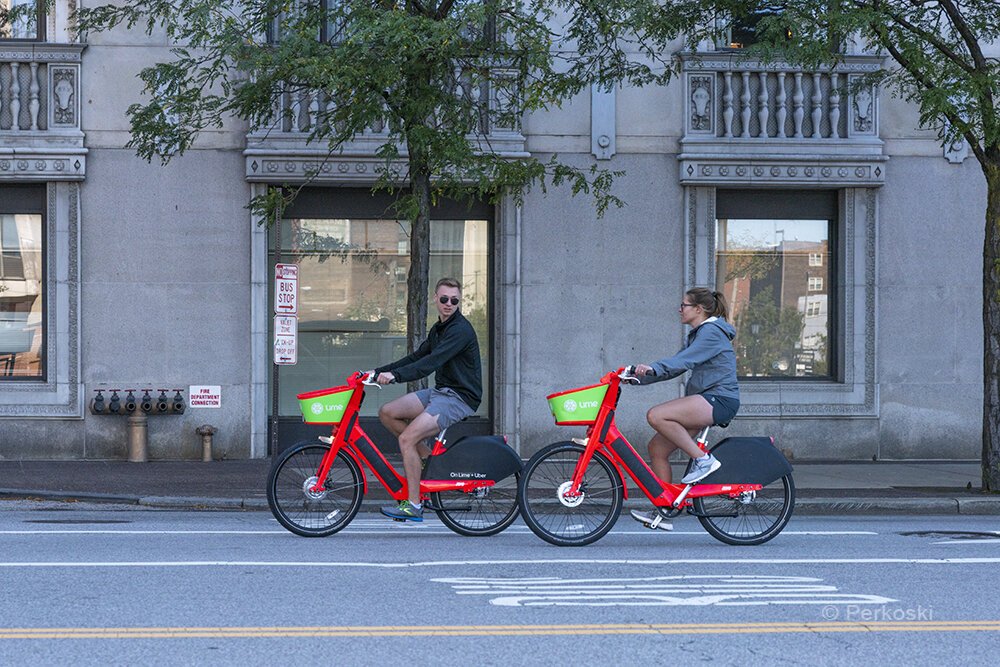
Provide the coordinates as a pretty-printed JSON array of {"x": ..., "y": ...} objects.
[
  {"x": 161, "y": 401},
  {"x": 177, "y": 405},
  {"x": 146, "y": 404},
  {"x": 130, "y": 402},
  {"x": 137, "y": 438},
  {"x": 114, "y": 403},
  {"x": 98, "y": 404},
  {"x": 206, "y": 432}
]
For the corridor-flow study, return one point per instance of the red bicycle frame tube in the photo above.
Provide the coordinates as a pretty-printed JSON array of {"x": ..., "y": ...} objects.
[
  {"x": 603, "y": 435},
  {"x": 350, "y": 437}
]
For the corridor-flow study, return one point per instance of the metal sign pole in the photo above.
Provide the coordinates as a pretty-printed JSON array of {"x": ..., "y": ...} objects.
[{"x": 274, "y": 366}]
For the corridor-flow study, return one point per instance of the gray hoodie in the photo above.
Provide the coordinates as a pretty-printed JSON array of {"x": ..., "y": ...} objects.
[{"x": 708, "y": 355}]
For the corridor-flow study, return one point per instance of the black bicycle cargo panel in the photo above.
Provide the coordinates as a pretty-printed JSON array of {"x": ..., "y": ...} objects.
[
  {"x": 474, "y": 457},
  {"x": 748, "y": 461}
]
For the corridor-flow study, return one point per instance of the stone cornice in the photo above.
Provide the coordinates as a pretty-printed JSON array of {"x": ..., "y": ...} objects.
[
  {"x": 865, "y": 171},
  {"x": 738, "y": 60},
  {"x": 42, "y": 52},
  {"x": 31, "y": 165}
]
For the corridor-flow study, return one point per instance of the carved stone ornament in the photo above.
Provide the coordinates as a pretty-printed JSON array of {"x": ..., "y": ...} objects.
[
  {"x": 64, "y": 96},
  {"x": 863, "y": 111},
  {"x": 701, "y": 103}
]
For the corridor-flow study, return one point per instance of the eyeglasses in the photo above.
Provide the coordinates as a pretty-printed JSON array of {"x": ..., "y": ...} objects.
[
  {"x": 687, "y": 305},
  {"x": 454, "y": 300}
]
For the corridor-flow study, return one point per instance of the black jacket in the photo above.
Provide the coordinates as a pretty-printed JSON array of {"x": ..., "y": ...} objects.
[{"x": 452, "y": 350}]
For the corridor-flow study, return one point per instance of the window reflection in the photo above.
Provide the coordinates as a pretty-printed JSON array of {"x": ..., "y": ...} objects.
[
  {"x": 352, "y": 296},
  {"x": 21, "y": 308},
  {"x": 776, "y": 277}
]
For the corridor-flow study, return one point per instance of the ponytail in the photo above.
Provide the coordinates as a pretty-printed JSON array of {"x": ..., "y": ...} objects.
[{"x": 713, "y": 303}]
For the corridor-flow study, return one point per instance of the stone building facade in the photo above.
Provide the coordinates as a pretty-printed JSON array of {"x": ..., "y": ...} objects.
[{"x": 840, "y": 232}]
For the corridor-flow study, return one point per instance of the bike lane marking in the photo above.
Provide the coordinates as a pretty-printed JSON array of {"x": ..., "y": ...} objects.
[
  {"x": 671, "y": 590},
  {"x": 498, "y": 630}
]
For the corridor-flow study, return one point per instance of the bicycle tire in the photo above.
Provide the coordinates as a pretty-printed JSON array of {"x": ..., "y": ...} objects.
[
  {"x": 481, "y": 512},
  {"x": 549, "y": 517},
  {"x": 756, "y": 521},
  {"x": 323, "y": 514}
]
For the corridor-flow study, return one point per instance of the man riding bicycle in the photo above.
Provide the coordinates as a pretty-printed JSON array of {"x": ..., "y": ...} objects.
[{"x": 451, "y": 350}]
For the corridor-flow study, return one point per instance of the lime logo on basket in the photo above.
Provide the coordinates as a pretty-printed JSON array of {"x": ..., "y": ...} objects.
[
  {"x": 317, "y": 408},
  {"x": 569, "y": 405}
]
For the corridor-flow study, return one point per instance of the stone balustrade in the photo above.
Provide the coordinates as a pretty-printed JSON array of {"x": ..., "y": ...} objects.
[
  {"x": 40, "y": 133},
  {"x": 778, "y": 122}
]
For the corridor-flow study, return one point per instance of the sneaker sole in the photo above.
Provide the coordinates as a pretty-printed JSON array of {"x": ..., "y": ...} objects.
[
  {"x": 687, "y": 480},
  {"x": 416, "y": 519},
  {"x": 663, "y": 525}
]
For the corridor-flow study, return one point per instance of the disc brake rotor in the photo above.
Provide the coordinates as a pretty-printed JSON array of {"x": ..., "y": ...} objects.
[
  {"x": 569, "y": 501},
  {"x": 307, "y": 489}
]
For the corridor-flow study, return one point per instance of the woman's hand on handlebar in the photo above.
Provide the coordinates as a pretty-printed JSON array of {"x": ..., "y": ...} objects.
[{"x": 642, "y": 369}]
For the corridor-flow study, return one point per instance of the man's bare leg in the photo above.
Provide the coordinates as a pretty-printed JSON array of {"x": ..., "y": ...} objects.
[
  {"x": 397, "y": 414},
  {"x": 411, "y": 439}
]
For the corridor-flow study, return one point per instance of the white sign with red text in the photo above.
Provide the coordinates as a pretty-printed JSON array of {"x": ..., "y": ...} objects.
[
  {"x": 286, "y": 289},
  {"x": 286, "y": 340},
  {"x": 205, "y": 396}
]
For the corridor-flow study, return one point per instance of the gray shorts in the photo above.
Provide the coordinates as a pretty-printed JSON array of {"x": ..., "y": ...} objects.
[{"x": 445, "y": 404}]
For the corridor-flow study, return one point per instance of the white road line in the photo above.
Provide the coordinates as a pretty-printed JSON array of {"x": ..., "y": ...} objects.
[
  {"x": 381, "y": 528},
  {"x": 554, "y": 561}
]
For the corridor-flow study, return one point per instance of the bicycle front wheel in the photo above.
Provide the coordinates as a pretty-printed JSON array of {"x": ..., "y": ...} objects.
[
  {"x": 480, "y": 512},
  {"x": 753, "y": 517},
  {"x": 314, "y": 513},
  {"x": 569, "y": 521}
]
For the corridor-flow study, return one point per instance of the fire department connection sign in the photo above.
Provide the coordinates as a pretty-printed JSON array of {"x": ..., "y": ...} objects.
[
  {"x": 205, "y": 396},
  {"x": 286, "y": 306}
]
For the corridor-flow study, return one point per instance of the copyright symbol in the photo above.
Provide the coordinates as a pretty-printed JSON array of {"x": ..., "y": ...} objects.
[{"x": 830, "y": 613}]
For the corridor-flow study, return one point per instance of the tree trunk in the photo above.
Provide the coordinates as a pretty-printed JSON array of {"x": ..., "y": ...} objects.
[
  {"x": 420, "y": 259},
  {"x": 991, "y": 327}
]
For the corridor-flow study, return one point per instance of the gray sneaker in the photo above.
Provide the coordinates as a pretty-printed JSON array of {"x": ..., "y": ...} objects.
[
  {"x": 700, "y": 469},
  {"x": 652, "y": 520}
]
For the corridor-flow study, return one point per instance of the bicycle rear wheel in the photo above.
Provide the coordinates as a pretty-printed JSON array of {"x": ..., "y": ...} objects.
[
  {"x": 480, "y": 512},
  {"x": 305, "y": 512},
  {"x": 751, "y": 518},
  {"x": 569, "y": 522}
]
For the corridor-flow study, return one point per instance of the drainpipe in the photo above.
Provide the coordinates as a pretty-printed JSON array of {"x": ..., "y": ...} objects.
[{"x": 137, "y": 430}]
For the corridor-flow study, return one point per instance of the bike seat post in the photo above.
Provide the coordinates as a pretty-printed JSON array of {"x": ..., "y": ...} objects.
[
  {"x": 702, "y": 439},
  {"x": 439, "y": 442}
]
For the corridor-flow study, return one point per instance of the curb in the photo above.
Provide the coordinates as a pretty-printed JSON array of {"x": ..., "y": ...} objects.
[{"x": 839, "y": 506}]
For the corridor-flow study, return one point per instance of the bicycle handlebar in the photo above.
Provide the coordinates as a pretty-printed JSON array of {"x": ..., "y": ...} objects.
[{"x": 627, "y": 375}]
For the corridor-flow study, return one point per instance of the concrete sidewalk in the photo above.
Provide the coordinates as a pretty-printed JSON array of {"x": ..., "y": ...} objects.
[{"x": 939, "y": 487}]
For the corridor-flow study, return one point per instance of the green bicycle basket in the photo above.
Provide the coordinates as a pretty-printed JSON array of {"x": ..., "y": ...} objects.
[
  {"x": 577, "y": 407},
  {"x": 324, "y": 406}
]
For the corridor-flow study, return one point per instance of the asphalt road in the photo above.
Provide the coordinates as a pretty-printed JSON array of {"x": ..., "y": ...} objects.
[{"x": 115, "y": 585}]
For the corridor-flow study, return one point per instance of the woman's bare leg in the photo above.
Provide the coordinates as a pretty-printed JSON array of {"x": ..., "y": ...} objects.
[{"x": 675, "y": 421}]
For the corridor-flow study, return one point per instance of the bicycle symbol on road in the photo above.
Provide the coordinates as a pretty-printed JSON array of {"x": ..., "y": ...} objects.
[{"x": 672, "y": 591}]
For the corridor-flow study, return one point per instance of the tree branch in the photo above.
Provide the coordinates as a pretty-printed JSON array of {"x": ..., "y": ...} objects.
[
  {"x": 963, "y": 29},
  {"x": 925, "y": 83},
  {"x": 443, "y": 9},
  {"x": 930, "y": 37}
]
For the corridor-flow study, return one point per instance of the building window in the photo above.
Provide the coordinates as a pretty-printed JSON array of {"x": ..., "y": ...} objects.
[
  {"x": 815, "y": 259},
  {"x": 26, "y": 22},
  {"x": 352, "y": 293},
  {"x": 22, "y": 286},
  {"x": 764, "y": 249}
]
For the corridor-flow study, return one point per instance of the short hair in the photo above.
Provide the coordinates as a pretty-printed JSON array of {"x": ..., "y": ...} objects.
[{"x": 448, "y": 282}]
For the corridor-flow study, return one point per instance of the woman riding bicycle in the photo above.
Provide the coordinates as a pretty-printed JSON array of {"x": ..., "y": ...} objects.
[{"x": 712, "y": 393}]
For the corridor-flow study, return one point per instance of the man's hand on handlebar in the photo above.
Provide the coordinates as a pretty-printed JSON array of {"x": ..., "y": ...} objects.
[{"x": 385, "y": 378}]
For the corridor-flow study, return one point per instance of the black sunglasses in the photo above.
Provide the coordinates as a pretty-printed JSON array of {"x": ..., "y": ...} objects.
[{"x": 454, "y": 300}]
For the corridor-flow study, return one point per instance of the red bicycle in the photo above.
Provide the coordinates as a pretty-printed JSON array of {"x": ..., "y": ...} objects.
[
  {"x": 315, "y": 488},
  {"x": 571, "y": 493}
]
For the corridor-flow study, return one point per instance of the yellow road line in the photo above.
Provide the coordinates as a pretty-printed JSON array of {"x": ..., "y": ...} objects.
[{"x": 495, "y": 630}]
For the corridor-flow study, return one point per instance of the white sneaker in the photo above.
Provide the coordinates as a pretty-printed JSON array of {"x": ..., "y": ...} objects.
[
  {"x": 652, "y": 520},
  {"x": 701, "y": 468}
]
